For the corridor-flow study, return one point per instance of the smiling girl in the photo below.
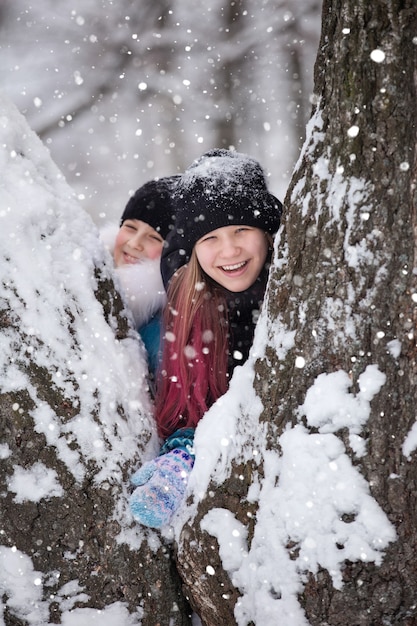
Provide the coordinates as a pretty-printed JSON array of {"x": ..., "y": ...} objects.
[
  {"x": 215, "y": 266},
  {"x": 136, "y": 246},
  {"x": 136, "y": 241}
]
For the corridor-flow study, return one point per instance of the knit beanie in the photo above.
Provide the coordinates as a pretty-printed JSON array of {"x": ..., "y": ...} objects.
[
  {"x": 152, "y": 203},
  {"x": 221, "y": 188}
]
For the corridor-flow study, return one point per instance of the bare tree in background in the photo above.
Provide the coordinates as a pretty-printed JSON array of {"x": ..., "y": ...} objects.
[{"x": 142, "y": 88}]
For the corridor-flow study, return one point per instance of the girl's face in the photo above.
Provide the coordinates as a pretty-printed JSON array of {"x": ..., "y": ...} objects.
[
  {"x": 135, "y": 241},
  {"x": 233, "y": 256}
]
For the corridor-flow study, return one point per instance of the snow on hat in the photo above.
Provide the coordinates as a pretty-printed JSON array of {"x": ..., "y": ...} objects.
[
  {"x": 221, "y": 188},
  {"x": 152, "y": 203}
]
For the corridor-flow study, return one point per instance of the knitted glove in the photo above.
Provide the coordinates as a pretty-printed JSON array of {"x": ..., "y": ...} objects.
[{"x": 160, "y": 488}]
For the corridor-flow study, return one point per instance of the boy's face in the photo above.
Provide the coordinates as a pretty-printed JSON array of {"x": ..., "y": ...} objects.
[
  {"x": 135, "y": 241},
  {"x": 233, "y": 256}
]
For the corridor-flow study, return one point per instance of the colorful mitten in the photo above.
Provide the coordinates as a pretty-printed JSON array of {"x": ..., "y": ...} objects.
[{"x": 160, "y": 487}]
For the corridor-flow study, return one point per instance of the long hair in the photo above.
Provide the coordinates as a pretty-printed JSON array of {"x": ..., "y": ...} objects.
[{"x": 193, "y": 371}]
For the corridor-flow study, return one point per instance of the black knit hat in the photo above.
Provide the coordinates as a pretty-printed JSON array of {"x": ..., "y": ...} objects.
[
  {"x": 221, "y": 188},
  {"x": 152, "y": 203}
]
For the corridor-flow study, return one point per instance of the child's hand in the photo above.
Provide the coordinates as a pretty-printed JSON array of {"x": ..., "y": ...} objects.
[
  {"x": 143, "y": 474},
  {"x": 160, "y": 487}
]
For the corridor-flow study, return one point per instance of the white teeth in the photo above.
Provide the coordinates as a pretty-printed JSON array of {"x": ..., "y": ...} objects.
[
  {"x": 229, "y": 268},
  {"x": 131, "y": 259}
]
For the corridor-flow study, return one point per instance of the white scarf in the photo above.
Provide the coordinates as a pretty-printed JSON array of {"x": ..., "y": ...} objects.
[{"x": 140, "y": 283}]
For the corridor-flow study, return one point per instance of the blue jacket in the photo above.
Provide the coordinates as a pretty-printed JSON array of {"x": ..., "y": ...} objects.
[{"x": 151, "y": 337}]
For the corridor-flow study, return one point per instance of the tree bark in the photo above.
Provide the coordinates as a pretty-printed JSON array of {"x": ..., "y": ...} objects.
[
  {"x": 76, "y": 536},
  {"x": 368, "y": 135},
  {"x": 344, "y": 282},
  {"x": 79, "y": 541}
]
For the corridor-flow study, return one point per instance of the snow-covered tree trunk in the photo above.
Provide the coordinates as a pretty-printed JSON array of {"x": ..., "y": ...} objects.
[
  {"x": 345, "y": 281},
  {"x": 305, "y": 512},
  {"x": 75, "y": 414}
]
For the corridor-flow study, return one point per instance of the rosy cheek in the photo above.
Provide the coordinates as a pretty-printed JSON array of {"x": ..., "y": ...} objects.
[
  {"x": 119, "y": 241},
  {"x": 154, "y": 253}
]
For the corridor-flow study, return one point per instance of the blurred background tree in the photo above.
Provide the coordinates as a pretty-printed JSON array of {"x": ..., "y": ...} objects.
[{"x": 124, "y": 91}]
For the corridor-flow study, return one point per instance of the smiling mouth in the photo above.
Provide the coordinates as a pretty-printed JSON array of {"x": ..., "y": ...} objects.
[
  {"x": 234, "y": 268},
  {"x": 130, "y": 259}
]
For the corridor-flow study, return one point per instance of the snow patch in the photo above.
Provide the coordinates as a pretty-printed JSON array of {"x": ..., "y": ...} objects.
[
  {"x": 410, "y": 442},
  {"x": 230, "y": 534},
  {"x": 34, "y": 483}
]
